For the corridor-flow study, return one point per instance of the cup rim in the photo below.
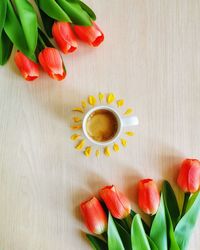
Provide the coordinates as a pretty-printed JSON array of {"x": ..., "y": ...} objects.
[{"x": 116, "y": 114}]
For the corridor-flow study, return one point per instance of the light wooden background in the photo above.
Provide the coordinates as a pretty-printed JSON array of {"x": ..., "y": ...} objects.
[{"x": 151, "y": 57}]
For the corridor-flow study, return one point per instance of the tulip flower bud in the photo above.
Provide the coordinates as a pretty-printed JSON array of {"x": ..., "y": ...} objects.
[
  {"x": 89, "y": 34},
  {"x": 64, "y": 37},
  {"x": 148, "y": 196},
  {"x": 116, "y": 202},
  {"x": 52, "y": 63},
  {"x": 189, "y": 176},
  {"x": 28, "y": 68},
  {"x": 94, "y": 216}
]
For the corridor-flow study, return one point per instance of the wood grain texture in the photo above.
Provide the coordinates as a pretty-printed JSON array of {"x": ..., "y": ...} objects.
[{"x": 151, "y": 57}]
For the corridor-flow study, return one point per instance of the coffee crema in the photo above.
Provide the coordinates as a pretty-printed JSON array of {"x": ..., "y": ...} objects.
[{"x": 102, "y": 125}]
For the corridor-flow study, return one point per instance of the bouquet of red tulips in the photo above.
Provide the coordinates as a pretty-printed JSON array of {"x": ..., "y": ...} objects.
[
  {"x": 117, "y": 227},
  {"x": 31, "y": 33}
]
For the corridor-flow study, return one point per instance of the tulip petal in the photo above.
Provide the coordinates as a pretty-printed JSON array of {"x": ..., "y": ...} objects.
[
  {"x": 80, "y": 145},
  {"x": 128, "y": 111},
  {"x": 120, "y": 103},
  {"x": 129, "y": 133},
  {"x": 101, "y": 96},
  {"x": 97, "y": 153},
  {"x": 124, "y": 142},
  {"x": 92, "y": 100},
  {"x": 83, "y": 104},
  {"x": 189, "y": 176},
  {"x": 78, "y": 109},
  {"x": 28, "y": 68},
  {"x": 94, "y": 216},
  {"x": 116, "y": 147},
  {"x": 148, "y": 196},
  {"x": 107, "y": 151},
  {"x": 88, "y": 151},
  {"x": 75, "y": 137},
  {"x": 64, "y": 37},
  {"x": 76, "y": 119},
  {"x": 89, "y": 34},
  {"x": 52, "y": 63},
  {"x": 110, "y": 98},
  {"x": 76, "y": 127},
  {"x": 116, "y": 202}
]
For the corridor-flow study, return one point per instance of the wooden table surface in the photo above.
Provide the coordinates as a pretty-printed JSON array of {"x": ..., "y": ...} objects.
[{"x": 151, "y": 58}]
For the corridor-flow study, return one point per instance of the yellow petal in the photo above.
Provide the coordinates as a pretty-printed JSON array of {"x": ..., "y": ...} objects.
[
  {"x": 116, "y": 147},
  {"x": 92, "y": 100},
  {"x": 76, "y": 127},
  {"x": 129, "y": 133},
  {"x": 124, "y": 142},
  {"x": 101, "y": 96},
  {"x": 120, "y": 103},
  {"x": 75, "y": 137},
  {"x": 110, "y": 98},
  {"x": 80, "y": 145},
  {"x": 84, "y": 104},
  {"x": 97, "y": 153},
  {"x": 128, "y": 111},
  {"x": 107, "y": 151},
  {"x": 76, "y": 119},
  {"x": 88, "y": 151},
  {"x": 78, "y": 109}
]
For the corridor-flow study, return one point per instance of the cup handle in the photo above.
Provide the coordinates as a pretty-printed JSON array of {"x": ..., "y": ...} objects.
[{"x": 130, "y": 121}]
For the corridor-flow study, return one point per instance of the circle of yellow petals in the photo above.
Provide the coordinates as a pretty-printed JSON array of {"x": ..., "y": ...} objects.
[{"x": 80, "y": 141}]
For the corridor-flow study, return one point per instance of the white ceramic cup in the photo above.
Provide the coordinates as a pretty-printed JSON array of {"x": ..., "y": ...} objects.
[{"x": 122, "y": 122}]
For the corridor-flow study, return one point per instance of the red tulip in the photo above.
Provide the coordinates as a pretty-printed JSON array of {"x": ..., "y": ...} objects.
[
  {"x": 52, "y": 63},
  {"x": 148, "y": 196},
  {"x": 189, "y": 175},
  {"x": 116, "y": 202},
  {"x": 64, "y": 37},
  {"x": 94, "y": 216},
  {"x": 89, "y": 34},
  {"x": 28, "y": 68}
]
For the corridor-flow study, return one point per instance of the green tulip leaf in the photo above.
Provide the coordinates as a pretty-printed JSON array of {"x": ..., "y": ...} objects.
[
  {"x": 122, "y": 223},
  {"x": 186, "y": 224},
  {"x": 5, "y": 48},
  {"x": 114, "y": 240},
  {"x": 52, "y": 9},
  {"x": 133, "y": 213},
  {"x": 75, "y": 12},
  {"x": 47, "y": 22},
  {"x": 88, "y": 10},
  {"x": 171, "y": 202},
  {"x": 172, "y": 243},
  {"x": 125, "y": 236},
  {"x": 97, "y": 243},
  {"x": 44, "y": 39},
  {"x": 15, "y": 32},
  {"x": 191, "y": 200},
  {"x": 146, "y": 227},
  {"x": 3, "y": 10},
  {"x": 158, "y": 232},
  {"x": 28, "y": 19},
  {"x": 152, "y": 244},
  {"x": 138, "y": 236}
]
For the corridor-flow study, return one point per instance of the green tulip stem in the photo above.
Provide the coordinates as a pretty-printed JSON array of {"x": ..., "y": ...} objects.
[
  {"x": 185, "y": 202},
  {"x": 128, "y": 221}
]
